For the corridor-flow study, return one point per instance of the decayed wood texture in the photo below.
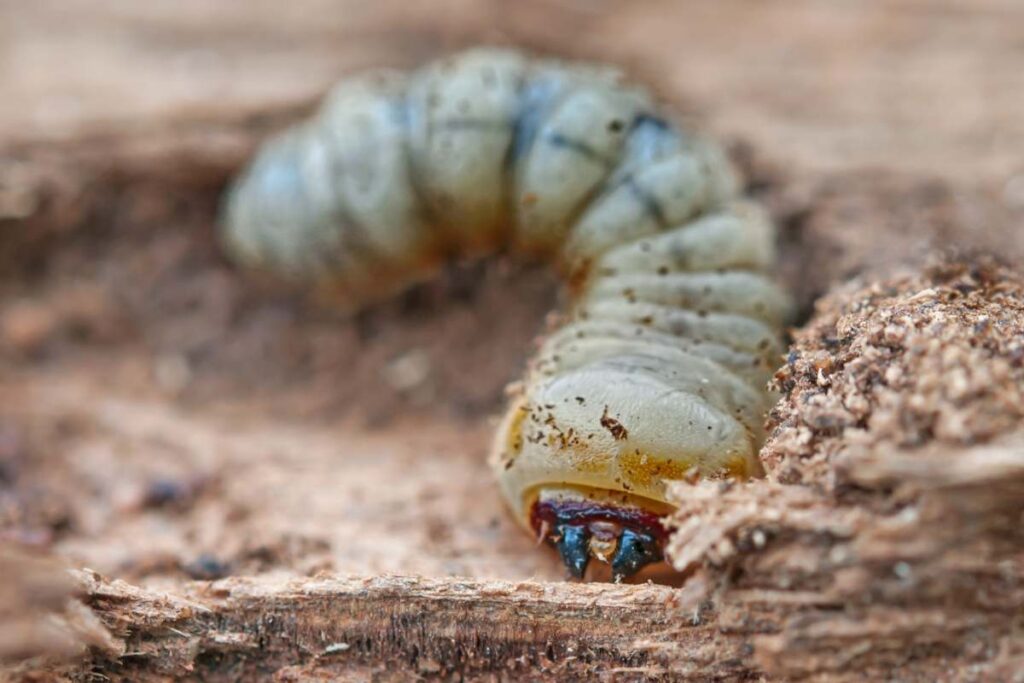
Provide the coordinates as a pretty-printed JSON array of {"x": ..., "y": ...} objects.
[
  {"x": 161, "y": 420},
  {"x": 237, "y": 627},
  {"x": 894, "y": 551},
  {"x": 888, "y": 536}
]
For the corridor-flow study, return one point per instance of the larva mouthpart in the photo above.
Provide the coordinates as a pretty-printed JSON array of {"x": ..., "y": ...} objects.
[{"x": 657, "y": 371}]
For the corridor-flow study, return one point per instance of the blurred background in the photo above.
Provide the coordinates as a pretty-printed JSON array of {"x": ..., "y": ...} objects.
[
  {"x": 921, "y": 83},
  {"x": 164, "y": 417}
]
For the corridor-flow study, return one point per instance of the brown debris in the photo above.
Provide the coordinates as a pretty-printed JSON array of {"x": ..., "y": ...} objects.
[
  {"x": 613, "y": 426},
  {"x": 925, "y": 357},
  {"x": 41, "y": 624},
  {"x": 887, "y": 537}
]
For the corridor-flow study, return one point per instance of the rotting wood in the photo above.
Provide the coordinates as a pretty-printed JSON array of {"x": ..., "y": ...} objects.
[
  {"x": 888, "y": 536},
  {"x": 240, "y": 626},
  {"x": 911, "y": 569},
  {"x": 871, "y": 556}
]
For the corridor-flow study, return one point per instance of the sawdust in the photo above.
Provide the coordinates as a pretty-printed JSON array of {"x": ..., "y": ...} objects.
[
  {"x": 886, "y": 540},
  {"x": 925, "y": 357}
]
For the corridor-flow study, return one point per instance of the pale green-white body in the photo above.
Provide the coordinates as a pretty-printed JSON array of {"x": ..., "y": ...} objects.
[{"x": 658, "y": 370}]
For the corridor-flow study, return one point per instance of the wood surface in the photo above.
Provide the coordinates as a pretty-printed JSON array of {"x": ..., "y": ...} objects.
[{"x": 246, "y": 483}]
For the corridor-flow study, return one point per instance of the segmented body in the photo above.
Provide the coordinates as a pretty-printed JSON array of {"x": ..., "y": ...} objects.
[{"x": 658, "y": 371}]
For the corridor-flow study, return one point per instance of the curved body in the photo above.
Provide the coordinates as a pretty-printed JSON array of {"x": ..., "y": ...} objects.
[{"x": 658, "y": 371}]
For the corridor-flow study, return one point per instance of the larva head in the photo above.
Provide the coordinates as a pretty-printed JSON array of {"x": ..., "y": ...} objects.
[
  {"x": 611, "y": 527},
  {"x": 584, "y": 460}
]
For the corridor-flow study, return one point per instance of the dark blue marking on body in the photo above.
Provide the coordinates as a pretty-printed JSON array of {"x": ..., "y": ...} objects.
[
  {"x": 561, "y": 141},
  {"x": 404, "y": 115},
  {"x": 280, "y": 176},
  {"x": 652, "y": 207},
  {"x": 647, "y": 119},
  {"x": 481, "y": 125},
  {"x": 537, "y": 98},
  {"x": 283, "y": 178},
  {"x": 400, "y": 114},
  {"x": 651, "y": 138}
]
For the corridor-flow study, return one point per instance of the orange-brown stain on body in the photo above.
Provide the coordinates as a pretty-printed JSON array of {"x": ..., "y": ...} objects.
[
  {"x": 514, "y": 435},
  {"x": 590, "y": 462},
  {"x": 643, "y": 469}
]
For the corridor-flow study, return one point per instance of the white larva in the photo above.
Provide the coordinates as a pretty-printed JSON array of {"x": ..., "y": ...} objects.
[{"x": 658, "y": 369}]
